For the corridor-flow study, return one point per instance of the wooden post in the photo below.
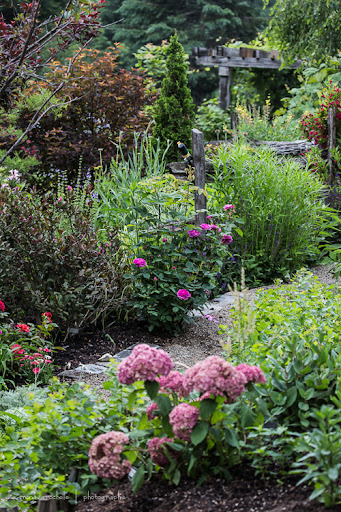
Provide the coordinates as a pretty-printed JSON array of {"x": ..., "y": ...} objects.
[
  {"x": 225, "y": 79},
  {"x": 198, "y": 153},
  {"x": 331, "y": 144}
]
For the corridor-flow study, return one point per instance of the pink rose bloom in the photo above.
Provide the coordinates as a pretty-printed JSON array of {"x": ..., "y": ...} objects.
[
  {"x": 193, "y": 233},
  {"x": 184, "y": 294},
  {"x": 2, "y": 306},
  {"x": 144, "y": 363},
  {"x": 157, "y": 451},
  {"x": 215, "y": 376},
  {"x": 228, "y": 207},
  {"x": 172, "y": 383},
  {"x": 105, "y": 456},
  {"x": 227, "y": 240},
  {"x": 183, "y": 418},
  {"x": 252, "y": 373},
  {"x": 150, "y": 411},
  {"x": 206, "y": 227},
  {"x": 23, "y": 327},
  {"x": 140, "y": 262}
]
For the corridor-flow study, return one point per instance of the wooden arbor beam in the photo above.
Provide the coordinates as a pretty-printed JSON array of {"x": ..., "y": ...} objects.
[{"x": 229, "y": 58}]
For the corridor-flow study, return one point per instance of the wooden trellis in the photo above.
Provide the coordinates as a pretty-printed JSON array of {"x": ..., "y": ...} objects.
[{"x": 228, "y": 58}]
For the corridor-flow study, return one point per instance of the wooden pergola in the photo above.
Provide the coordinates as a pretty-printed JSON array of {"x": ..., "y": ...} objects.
[{"x": 228, "y": 58}]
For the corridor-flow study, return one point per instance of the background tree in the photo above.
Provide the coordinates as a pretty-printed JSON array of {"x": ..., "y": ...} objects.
[
  {"x": 174, "y": 111},
  {"x": 309, "y": 29},
  {"x": 197, "y": 23}
]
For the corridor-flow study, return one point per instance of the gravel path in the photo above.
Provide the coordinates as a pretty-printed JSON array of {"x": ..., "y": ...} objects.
[{"x": 202, "y": 339}]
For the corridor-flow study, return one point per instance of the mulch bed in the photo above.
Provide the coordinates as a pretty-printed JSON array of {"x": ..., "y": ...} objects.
[
  {"x": 88, "y": 347},
  {"x": 244, "y": 493}
]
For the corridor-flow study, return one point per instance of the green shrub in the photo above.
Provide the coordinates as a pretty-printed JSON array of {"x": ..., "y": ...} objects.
[
  {"x": 295, "y": 339},
  {"x": 278, "y": 205},
  {"x": 52, "y": 259},
  {"x": 213, "y": 121},
  {"x": 255, "y": 124},
  {"x": 183, "y": 258},
  {"x": 38, "y": 454},
  {"x": 174, "y": 110}
]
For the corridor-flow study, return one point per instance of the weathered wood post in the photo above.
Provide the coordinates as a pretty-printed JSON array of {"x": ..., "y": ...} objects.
[
  {"x": 198, "y": 153},
  {"x": 225, "y": 79},
  {"x": 331, "y": 145}
]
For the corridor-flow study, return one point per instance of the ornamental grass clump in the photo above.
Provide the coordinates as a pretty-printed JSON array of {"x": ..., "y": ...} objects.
[{"x": 280, "y": 207}]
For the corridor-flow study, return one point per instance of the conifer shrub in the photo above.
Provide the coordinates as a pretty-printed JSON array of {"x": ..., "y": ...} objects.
[{"x": 174, "y": 111}]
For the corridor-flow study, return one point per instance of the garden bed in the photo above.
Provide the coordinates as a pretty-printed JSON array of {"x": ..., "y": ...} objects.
[{"x": 246, "y": 492}]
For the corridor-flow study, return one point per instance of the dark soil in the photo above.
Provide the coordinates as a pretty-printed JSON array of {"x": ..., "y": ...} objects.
[
  {"x": 244, "y": 493},
  {"x": 88, "y": 347}
]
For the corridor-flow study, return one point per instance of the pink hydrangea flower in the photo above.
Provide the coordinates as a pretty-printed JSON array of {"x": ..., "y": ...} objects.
[
  {"x": 206, "y": 227},
  {"x": 228, "y": 207},
  {"x": 193, "y": 233},
  {"x": 2, "y": 306},
  {"x": 227, "y": 240},
  {"x": 183, "y": 418},
  {"x": 252, "y": 373},
  {"x": 213, "y": 226},
  {"x": 105, "y": 456},
  {"x": 184, "y": 294},
  {"x": 157, "y": 451},
  {"x": 150, "y": 411},
  {"x": 140, "y": 262},
  {"x": 215, "y": 376},
  {"x": 144, "y": 363},
  {"x": 173, "y": 382}
]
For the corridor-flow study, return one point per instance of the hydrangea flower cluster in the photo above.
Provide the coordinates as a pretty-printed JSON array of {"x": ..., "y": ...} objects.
[
  {"x": 184, "y": 294},
  {"x": 252, "y": 373},
  {"x": 150, "y": 411},
  {"x": 183, "y": 418},
  {"x": 215, "y": 376},
  {"x": 144, "y": 363},
  {"x": 105, "y": 456},
  {"x": 157, "y": 453},
  {"x": 173, "y": 382},
  {"x": 140, "y": 262}
]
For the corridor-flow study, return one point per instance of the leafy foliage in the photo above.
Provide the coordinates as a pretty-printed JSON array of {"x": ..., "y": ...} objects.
[
  {"x": 312, "y": 32},
  {"x": 52, "y": 259},
  {"x": 105, "y": 107}
]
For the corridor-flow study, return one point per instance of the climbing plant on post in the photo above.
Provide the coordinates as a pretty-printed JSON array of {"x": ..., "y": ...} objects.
[{"x": 174, "y": 110}]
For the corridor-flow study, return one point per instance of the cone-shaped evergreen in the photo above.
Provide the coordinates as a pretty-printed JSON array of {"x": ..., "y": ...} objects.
[{"x": 174, "y": 110}]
